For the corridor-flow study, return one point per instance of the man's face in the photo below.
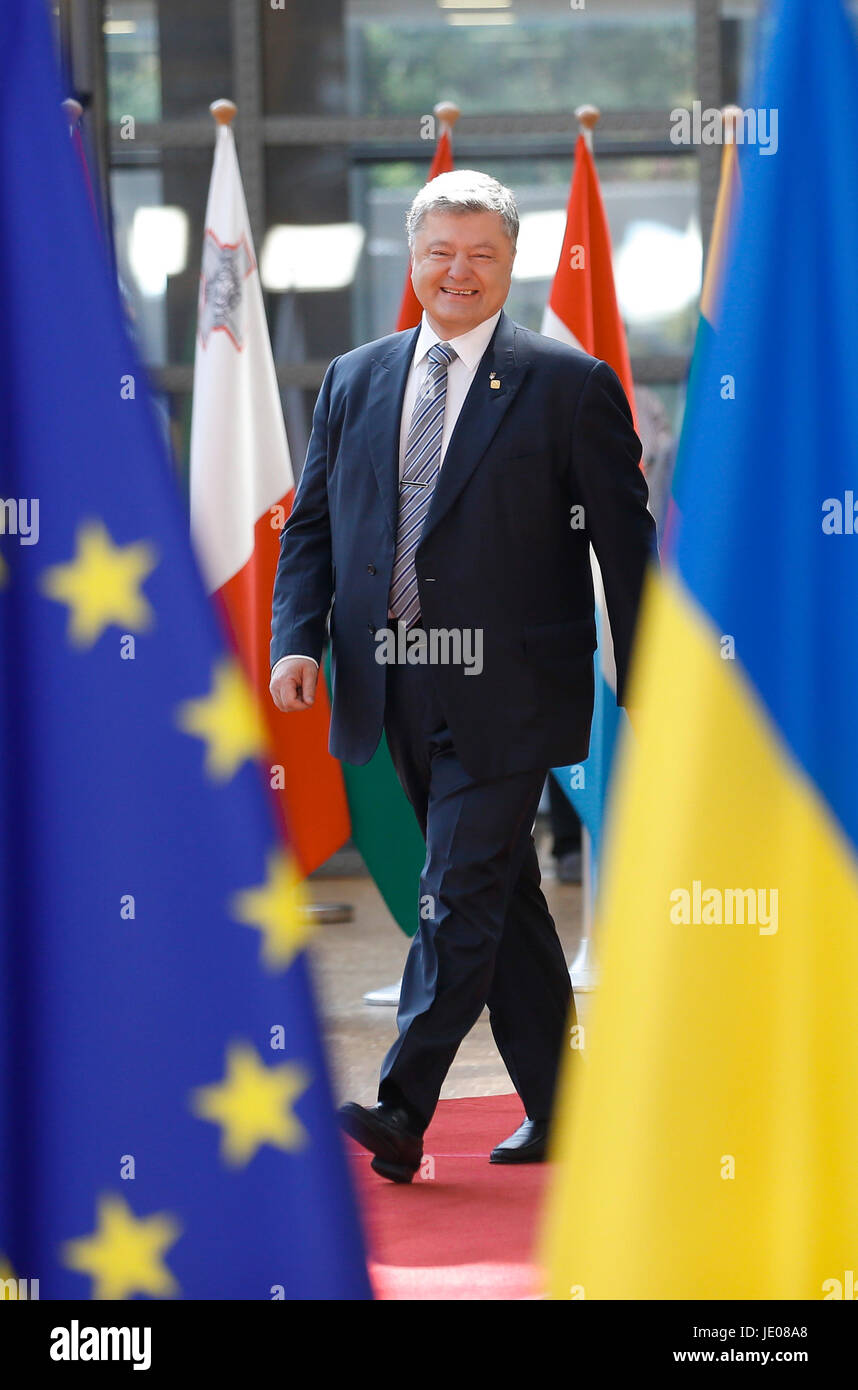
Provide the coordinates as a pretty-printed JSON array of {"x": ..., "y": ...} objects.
[{"x": 461, "y": 265}]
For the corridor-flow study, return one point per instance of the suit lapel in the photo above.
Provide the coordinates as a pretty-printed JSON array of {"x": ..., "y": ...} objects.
[
  {"x": 481, "y": 414},
  {"x": 384, "y": 412}
]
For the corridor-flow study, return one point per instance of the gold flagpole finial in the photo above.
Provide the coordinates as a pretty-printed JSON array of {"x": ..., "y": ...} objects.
[
  {"x": 223, "y": 111},
  {"x": 447, "y": 112},
  {"x": 730, "y": 115},
  {"x": 588, "y": 118}
]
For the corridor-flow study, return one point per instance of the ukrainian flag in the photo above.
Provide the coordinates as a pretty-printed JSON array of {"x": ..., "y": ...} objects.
[
  {"x": 166, "y": 1123},
  {"x": 708, "y": 1148}
]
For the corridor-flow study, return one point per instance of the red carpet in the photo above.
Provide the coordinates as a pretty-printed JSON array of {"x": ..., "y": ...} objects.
[{"x": 465, "y": 1228}]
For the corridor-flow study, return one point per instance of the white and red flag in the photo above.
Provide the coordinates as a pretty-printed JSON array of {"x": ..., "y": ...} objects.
[
  {"x": 242, "y": 489},
  {"x": 582, "y": 310}
]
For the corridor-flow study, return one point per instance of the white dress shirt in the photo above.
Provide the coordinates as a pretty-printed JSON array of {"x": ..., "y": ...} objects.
[{"x": 469, "y": 348}]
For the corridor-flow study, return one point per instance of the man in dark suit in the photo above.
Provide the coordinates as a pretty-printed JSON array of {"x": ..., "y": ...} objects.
[{"x": 456, "y": 476}]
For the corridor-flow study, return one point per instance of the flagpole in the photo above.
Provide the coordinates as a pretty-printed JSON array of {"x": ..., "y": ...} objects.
[
  {"x": 73, "y": 111},
  {"x": 582, "y": 971}
]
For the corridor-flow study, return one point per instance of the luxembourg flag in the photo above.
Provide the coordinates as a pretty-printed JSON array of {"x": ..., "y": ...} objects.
[
  {"x": 582, "y": 310},
  {"x": 242, "y": 489},
  {"x": 723, "y": 229}
]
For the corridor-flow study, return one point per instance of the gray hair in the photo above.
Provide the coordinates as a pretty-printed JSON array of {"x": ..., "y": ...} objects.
[{"x": 463, "y": 190}]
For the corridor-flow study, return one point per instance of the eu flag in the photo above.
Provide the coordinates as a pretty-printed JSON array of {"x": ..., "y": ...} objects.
[{"x": 166, "y": 1126}]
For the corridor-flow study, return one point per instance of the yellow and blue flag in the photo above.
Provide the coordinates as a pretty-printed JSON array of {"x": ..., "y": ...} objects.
[
  {"x": 166, "y": 1124},
  {"x": 707, "y": 1148}
]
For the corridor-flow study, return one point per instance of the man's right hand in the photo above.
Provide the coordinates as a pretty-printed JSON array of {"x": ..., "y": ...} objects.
[{"x": 293, "y": 686}]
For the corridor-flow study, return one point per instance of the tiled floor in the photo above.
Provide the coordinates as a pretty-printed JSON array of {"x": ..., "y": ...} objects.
[{"x": 353, "y": 957}]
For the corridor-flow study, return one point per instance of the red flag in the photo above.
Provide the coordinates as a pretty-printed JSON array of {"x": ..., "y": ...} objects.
[
  {"x": 411, "y": 310},
  {"x": 582, "y": 306}
]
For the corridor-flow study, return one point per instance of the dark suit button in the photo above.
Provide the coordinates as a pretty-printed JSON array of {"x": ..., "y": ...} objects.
[{"x": 370, "y": 569}]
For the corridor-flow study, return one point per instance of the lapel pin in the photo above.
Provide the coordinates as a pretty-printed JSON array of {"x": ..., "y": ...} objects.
[{"x": 493, "y": 382}]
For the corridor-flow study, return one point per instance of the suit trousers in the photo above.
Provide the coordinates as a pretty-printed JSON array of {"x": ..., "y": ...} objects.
[{"x": 486, "y": 936}]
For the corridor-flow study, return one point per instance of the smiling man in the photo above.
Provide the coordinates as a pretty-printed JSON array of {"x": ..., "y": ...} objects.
[
  {"x": 456, "y": 476},
  {"x": 461, "y": 269}
]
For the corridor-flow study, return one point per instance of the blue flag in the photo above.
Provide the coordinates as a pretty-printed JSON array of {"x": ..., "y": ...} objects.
[{"x": 166, "y": 1123}]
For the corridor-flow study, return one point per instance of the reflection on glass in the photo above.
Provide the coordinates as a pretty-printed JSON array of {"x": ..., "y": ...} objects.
[
  {"x": 310, "y": 258},
  {"x": 658, "y": 271},
  {"x": 158, "y": 213},
  {"x": 377, "y": 58},
  {"x": 132, "y": 191},
  {"x": 132, "y": 52},
  {"x": 157, "y": 247},
  {"x": 659, "y": 411},
  {"x": 542, "y": 59},
  {"x": 166, "y": 59}
]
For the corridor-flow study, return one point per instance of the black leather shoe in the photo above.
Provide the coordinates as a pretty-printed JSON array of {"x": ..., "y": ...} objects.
[
  {"x": 387, "y": 1132},
  {"x": 528, "y": 1145}
]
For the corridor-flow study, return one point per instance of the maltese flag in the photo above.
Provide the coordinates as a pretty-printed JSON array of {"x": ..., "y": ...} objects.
[{"x": 242, "y": 489}]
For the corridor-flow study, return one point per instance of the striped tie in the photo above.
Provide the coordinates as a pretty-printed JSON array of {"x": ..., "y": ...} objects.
[{"x": 419, "y": 475}]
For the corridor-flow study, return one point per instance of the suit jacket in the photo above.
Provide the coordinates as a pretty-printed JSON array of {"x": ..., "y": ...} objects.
[{"x": 499, "y": 550}]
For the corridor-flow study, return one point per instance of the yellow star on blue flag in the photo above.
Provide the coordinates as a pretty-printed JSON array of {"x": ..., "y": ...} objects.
[
  {"x": 125, "y": 1254},
  {"x": 228, "y": 721},
  {"x": 277, "y": 908},
  {"x": 102, "y": 585},
  {"x": 253, "y": 1104}
]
